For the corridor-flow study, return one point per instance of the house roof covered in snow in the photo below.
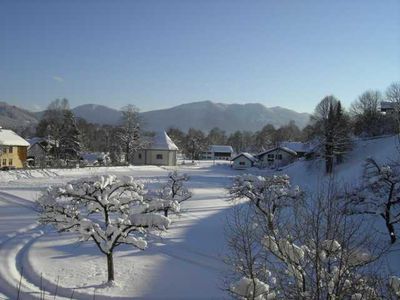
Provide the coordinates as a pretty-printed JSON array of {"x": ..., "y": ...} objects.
[
  {"x": 221, "y": 148},
  {"x": 161, "y": 141},
  {"x": 278, "y": 149},
  {"x": 247, "y": 155},
  {"x": 10, "y": 138},
  {"x": 298, "y": 146}
]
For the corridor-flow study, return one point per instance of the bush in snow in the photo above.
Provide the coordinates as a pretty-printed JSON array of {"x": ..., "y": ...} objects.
[
  {"x": 289, "y": 246},
  {"x": 106, "y": 210},
  {"x": 378, "y": 195}
]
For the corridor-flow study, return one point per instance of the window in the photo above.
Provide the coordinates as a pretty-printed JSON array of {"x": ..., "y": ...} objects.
[
  {"x": 140, "y": 155},
  {"x": 270, "y": 157},
  {"x": 4, "y": 162},
  {"x": 10, "y": 149},
  {"x": 242, "y": 163},
  {"x": 279, "y": 156},
  {"x": 10, "y": 162},
  {"x": 159, "y": 156}
]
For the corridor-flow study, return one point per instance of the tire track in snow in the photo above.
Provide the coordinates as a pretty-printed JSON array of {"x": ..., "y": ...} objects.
[{"x": 10, "y": 273}]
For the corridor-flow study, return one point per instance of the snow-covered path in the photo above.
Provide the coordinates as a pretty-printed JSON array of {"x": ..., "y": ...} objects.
[{"x": 185, "y": 262}]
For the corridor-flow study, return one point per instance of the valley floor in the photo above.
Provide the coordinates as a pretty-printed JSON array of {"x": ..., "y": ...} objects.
[{"x": 185, "y": 262}]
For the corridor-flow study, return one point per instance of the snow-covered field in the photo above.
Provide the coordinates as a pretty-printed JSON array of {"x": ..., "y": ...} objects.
[{"x": 184, "y": 262}]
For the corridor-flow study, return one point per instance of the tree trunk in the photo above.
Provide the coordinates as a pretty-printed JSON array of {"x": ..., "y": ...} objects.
[
  {"x": 110, "y": 266},
  {"x": 165, "y": 212},
  {"x": 392, "y": 234}
]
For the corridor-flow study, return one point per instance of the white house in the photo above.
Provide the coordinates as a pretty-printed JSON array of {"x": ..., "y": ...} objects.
[
  {"x": 277, "y": 157},
  {"x": 243, "y": 160},
  {"x": 160, "y": 151},
  {"x": 218, "y": 152}
]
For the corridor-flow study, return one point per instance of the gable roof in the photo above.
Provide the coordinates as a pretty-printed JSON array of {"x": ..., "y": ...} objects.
[
  {"x": 10, "y": 138},
  {"x": 294, "y": 153},
  {"x": 247, "y": 155},
  {"x": 161, "y": 141},
  {"x": 221, "y": 148},
  {"x": 297, "y": 146}
]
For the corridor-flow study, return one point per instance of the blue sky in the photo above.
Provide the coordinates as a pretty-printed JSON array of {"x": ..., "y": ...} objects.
[{"x": 157, "y": 54}]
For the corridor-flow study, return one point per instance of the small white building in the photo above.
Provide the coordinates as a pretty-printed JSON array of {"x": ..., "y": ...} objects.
[
  {"x": 218, "y": 152},
  {"x": 160, "y": 151},
  {"x": 277, "y": 157},
  {"x": 243, "y": 161}
]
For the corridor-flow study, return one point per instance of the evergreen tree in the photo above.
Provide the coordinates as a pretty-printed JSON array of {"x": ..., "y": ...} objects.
[{"x": 331, "y": 127}]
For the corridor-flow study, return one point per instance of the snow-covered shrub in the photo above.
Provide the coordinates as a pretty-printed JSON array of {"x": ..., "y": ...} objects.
[
  {"x": 301, "y": 246},
  {"x": 106, "y": 210},
  {"x": 172, "y": 193},
  {"x": 248, "y": 288}
]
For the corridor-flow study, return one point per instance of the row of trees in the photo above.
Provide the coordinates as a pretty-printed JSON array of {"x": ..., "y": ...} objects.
[
  {"x": 330, "y": 125},
  {"x": 68, "y": 136}
]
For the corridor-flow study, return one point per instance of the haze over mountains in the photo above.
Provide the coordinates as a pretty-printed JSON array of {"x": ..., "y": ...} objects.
[{"x": 203, "y": 115}]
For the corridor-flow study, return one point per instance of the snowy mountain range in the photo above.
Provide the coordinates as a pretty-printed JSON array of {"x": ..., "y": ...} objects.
[{"x": 200, "y": 115}]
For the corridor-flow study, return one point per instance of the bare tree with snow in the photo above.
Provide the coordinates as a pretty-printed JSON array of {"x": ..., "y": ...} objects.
[
  {"x": 378, "y": 195},
  {"x": 105, "y": 210},
  {"x": 173, "y": 192},
  {"x": 286, "y": 244},
  {"x": 130, "y": 133}
]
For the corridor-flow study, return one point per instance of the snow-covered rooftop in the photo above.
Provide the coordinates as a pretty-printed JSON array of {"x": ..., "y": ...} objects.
[
  {"x": 10, "y": 138},
  {"x": 247, "y": 155},
  {"x": 278, "y": 148},
  {"x": 221, "y": 148},
  {"x": 34, "y": 140},
  {"x": 161, "y": 141},
  {"x": 298, "y": 146}
]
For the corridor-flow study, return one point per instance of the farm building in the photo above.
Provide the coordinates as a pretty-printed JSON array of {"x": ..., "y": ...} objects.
[
  {"x": 14, "y": 150},
  {"x": 38, "y": 152},
  {"x": 243, "y": 160},
  {"x": 218, "y": 152},
  {"x": 277, "y": 157},
  {"x": 160, "y": 151},
  {"x": 388, "y": 107},
  {"x": 302, "y": 149}
]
